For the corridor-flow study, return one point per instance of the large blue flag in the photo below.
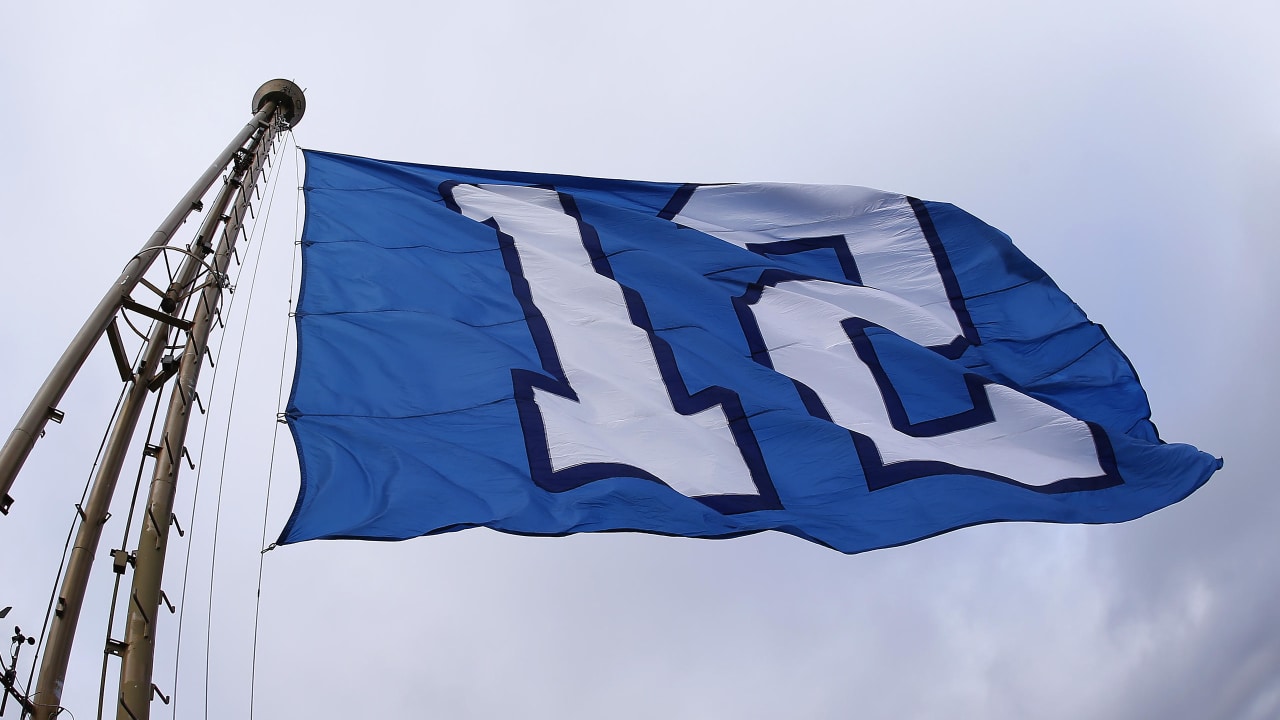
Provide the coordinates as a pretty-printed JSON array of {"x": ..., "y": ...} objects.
[{"x": 545, "y": 355}]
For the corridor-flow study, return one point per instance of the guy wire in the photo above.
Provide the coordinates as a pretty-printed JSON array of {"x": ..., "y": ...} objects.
[{"x": 264, "y": 216}]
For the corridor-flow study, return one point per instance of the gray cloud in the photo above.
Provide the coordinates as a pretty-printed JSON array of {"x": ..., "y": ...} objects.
[{"x": 1130, "y": 150}]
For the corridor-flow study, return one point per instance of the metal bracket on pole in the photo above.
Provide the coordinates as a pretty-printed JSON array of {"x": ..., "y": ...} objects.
[
  {"x": 55, "y": 416},
  {"x": 130, "y": 304},
  {"x": 150, "y": 286},
  {"x": 168, "y": 368},
  {"x": 118, "y": 351},
  {"x": 142, "y": 612},
  {"x": 84, "y": 516},
  {"x": 120, "y": 559}
]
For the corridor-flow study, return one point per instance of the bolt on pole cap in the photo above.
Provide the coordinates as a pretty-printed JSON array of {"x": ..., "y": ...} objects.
[{"x": 288, "y": 97}]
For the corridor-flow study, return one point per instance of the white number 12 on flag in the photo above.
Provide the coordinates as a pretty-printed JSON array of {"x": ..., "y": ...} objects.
[{"x": 618, "y": 407}]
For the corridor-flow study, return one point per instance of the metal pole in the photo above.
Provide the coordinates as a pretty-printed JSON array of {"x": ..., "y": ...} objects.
[
  {"x": 276, "y": 93},
  {"x": 138, "y": 655},
  {"x": 57, "y": 651}
]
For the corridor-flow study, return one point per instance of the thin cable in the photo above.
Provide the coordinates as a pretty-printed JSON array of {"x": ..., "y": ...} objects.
[
  {"x": 275, "y": 435},
  {"x": 235, "y": 379},
  {"x": 212, "y": 399}
]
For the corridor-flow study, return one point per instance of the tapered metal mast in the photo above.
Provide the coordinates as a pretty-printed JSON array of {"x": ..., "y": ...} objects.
[{"x": 198, "y": 284}]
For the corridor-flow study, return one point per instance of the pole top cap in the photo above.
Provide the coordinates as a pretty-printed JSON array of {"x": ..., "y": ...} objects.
[{"x": 288, "y": 97}]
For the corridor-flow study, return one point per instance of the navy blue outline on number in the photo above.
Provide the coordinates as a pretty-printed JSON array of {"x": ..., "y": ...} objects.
[
  {"x": 848, "y": 264},
  {"x": 878, "y": 474},
  {"x": 949, "y": 280},
  {"x": 553, "y": 380}
]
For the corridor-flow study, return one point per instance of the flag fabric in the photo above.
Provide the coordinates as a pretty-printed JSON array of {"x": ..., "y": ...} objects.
[{"x": 546, "y": 355}]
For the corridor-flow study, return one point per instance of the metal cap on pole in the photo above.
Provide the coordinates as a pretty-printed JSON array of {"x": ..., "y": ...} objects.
[{"x": 287, "y": 96}]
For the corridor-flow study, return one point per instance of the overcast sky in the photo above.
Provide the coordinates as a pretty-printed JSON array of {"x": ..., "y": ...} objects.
[{"x": 1131, "y": 149}]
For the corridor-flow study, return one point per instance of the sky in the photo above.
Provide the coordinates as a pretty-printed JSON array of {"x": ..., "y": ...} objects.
[{"x": 1130, "y": 149}]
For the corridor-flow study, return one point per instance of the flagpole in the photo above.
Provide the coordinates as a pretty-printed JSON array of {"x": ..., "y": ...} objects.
[{"x": 277, "y": 94}]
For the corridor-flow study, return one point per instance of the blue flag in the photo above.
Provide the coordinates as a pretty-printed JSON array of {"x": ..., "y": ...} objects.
[{"x": 546, "y": 355}]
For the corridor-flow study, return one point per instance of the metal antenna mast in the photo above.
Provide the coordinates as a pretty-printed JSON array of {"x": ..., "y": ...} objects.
[{"x": 198, "y": 284}]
